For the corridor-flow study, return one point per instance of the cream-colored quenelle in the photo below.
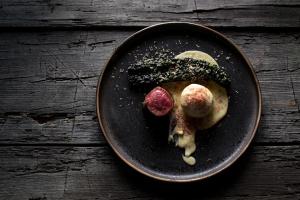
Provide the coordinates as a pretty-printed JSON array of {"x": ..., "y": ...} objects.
[{"x": 186, "y": 126}]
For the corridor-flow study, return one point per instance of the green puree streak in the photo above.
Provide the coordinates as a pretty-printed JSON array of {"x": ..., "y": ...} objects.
[{"x": 161, "y": 70}]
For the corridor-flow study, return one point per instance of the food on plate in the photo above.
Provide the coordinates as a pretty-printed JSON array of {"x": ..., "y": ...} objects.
[
  {"x": 190, "y": 88},
  {"x": 196, "y": 100},
  {"x": 159, "y": 102},
  {"x": 189, "y": 160},
  {"x": 184, "y": 67},
  {"x": 219, "y": 106}
]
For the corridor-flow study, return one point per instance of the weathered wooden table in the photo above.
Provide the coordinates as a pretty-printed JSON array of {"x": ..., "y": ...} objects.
[{"x": 51, "y": 54}]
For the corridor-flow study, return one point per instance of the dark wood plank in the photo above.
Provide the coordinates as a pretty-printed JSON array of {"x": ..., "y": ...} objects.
[
  {"x": 244, "y": 13},
  {"x": 48, "y": 84},
  {"x": 270, "y": 172},
  {"x": 98, "y": 13}
]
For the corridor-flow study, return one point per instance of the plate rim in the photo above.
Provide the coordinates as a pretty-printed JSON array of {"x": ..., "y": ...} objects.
[{"x": 233, "y": 158}]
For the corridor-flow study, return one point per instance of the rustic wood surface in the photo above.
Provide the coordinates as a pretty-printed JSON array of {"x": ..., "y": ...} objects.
[
  {"x": 95, "y": 173},
  {"x": 51, "y": 54},
  {"x": 99, "y": 13}
]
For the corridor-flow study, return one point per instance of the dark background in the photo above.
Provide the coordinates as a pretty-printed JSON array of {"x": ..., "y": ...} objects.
[{"x": 51, "y": 54}]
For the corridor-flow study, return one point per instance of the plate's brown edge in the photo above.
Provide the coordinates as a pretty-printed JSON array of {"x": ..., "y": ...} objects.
[{"x": 229, "y": 161}]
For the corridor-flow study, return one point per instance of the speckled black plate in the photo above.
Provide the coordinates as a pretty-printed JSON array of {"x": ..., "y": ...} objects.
[{"x": 142, "y": 143}]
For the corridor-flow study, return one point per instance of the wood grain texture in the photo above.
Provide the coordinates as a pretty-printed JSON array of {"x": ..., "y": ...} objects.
[
  {"x": 95, "y": 173},
  {"x": 48, "y": 84},
  {"x": 98, "y": 13}
]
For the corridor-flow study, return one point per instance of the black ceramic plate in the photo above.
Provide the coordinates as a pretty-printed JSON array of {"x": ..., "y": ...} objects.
[{"x": 143, "y": 145}]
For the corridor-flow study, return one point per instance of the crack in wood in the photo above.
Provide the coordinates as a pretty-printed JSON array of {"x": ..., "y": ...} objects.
[
  {"x": 76, "y": 43},
  {"x": 47, "y": 117},
  {"x": 101, "y": 42},
  {"x": 176, "y": 12},
  {"x": 58, "y": 79},
  {"x": 57, "y": 144},
  {"x": 293, "y": 70},
  {"x": 38, "y": 198},
  {"x": 14, "y": 78},
  {"x": 246, "y": 7},
  {"x": 36, "y": 44},
  {"x": 195, "y": 4},
  {"x": 269, "y": 144},
  {"x": 66, "y": 67},
  {"x": 225, "y": 8},
  {"x": 47, "y": 107},
  {"x": 295, "y": 99},
  {"x": 2, "y": 125},
  {"x": 75, "y": 110},
  {"x": 66, "y": 181},
  {"x": 86, "y": 39},
  {"x": 292, "y": 84},
  {"x": 269, "y": 70},
  {"x": 78, "y": 77},
  {"x": 87, "y": 173}
]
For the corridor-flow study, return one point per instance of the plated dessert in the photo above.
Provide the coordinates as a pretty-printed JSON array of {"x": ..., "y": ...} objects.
[{"x": 190, "y": 88}]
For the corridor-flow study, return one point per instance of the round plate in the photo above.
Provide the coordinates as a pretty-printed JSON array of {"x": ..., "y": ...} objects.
[{"x": 143, "y": 144}]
